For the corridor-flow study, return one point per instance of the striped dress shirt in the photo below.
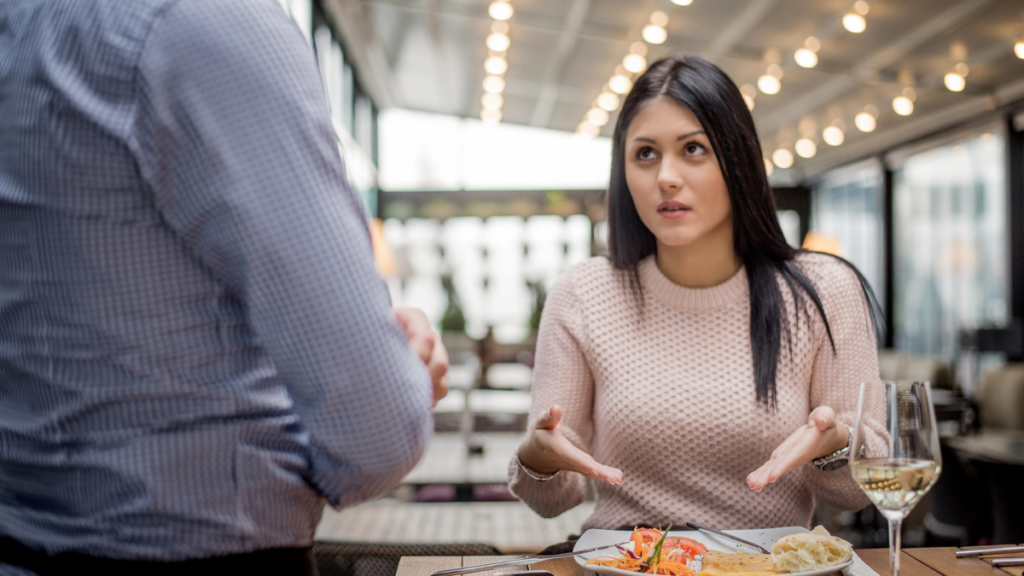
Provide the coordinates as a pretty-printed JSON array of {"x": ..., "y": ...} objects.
[{"x": 195, "y": 350}]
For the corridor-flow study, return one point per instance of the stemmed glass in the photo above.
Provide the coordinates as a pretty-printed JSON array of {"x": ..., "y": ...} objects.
[{"x": 896, "y": 481}]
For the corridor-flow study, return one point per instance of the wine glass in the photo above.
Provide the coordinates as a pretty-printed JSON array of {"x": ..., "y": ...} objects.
[{"x": 897, "y": 479}]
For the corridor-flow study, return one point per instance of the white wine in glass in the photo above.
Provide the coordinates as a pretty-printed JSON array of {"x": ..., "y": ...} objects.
[{"x": 896, "y": 481}]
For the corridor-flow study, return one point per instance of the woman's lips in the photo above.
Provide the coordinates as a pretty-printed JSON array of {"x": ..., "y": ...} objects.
[{"x": 672, "y": 209}]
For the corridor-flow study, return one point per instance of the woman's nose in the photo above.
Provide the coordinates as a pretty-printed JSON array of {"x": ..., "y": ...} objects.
[{"x": 670, "y": 178}]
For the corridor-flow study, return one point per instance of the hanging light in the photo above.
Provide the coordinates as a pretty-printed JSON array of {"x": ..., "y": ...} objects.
[
  {"x": 833, "y": 136},
  {"x": 1018, "y": 49},
  {"x": 634, "y": 63},
  {"x": 861, "y": 7},
  {"x": 806, "y": 148},
  {"x": 659, "y": 18},
  {"x": 902, "y": 105},
  {"x": 864, "y": 122},
  {"x": 769, "y": 84},
  {"x": 638, "y": 48},
  {"x": 588, "y": 129},
  {"x": 782, "y": 158},
  {"x": 682, "y": 2},
  {"x": 492, "y": 101},
  {"x": 749, "y": 102},
  {"x": 854, "y": 22},
  {"x": 812, "y": 44},
  {"x": 496, "y": 65},
  {"x": 494, "y": 84},
  {"x": 768, "y": 167},
  {"x": 498, "y": 42},
  {"x": 490, "y": 116},
  {"x": 805, "y": 58},
  {"x": 655, "y": 34},
  {"x": 954, "y": 82},
  {"x": 608, "y": 101},
  {"x": 500, "y": 10},
  {"x": 620, "y": 84}
]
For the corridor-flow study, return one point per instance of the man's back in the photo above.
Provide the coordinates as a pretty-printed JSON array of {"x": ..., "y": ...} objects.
[{"x": 191, "y": 334}]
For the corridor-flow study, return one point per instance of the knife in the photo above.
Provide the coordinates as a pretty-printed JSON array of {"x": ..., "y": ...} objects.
[
  {"x": 988, "y": 551},
  {"x": 520, "y": 561},
  {"x": 696, "y": 526}
]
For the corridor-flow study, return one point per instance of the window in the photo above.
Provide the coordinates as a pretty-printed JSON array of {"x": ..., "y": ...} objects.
[{"x": 950, "y": 244}]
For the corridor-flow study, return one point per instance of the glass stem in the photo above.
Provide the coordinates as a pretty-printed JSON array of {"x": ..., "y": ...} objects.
[{"x": 894, "y": 546}]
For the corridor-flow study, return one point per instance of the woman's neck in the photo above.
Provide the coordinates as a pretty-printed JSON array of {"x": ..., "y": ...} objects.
[{"x": 709, "y": 261}]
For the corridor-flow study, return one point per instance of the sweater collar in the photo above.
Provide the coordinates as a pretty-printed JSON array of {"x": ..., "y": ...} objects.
[{"x": 692, "y": 299}]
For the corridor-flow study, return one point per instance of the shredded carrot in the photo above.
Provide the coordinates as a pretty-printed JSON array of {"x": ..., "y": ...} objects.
[{"x": 647, "y": 544}]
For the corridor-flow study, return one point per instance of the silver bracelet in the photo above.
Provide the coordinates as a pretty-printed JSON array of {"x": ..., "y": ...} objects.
[{"x": 535, "y": 475}]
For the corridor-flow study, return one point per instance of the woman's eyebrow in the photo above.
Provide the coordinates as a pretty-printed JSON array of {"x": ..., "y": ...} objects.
[{"x": 651, "y": 140}]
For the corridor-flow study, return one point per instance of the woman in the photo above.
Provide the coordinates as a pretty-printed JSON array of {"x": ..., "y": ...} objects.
[{"x": 697, "y": 372}]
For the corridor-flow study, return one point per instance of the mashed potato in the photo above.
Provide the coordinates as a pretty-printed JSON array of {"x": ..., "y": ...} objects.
[{"x": 810, "y": 551}]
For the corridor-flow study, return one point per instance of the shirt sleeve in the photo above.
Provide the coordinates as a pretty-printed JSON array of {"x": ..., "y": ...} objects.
[
  {"x": 836, "y": 377},
  {"x": 561, "y": 376},
  {"x": 233, "y": 136}
]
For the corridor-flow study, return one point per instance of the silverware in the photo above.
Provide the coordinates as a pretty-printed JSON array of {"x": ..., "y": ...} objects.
[
  {"x": 1019, "y": 561},
  {"x": 987, "y": 551},
  {"x": 696, "y": 526},
  {"x": 532, "y": 558}
]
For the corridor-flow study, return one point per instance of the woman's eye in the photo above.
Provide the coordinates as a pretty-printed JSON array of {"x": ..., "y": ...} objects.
[
  {"x": 694, "y": 149},
  {"x": 645, "y": 153}
]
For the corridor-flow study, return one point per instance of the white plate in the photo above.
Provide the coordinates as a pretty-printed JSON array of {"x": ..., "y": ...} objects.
[{"x": 765, "y": 537}]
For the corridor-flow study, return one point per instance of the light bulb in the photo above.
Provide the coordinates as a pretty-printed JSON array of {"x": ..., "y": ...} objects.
[
  {"x": 954, "y": 82},
  {"x": 500, "y": 10},
  {"x": 782, "y": 158},
  {"x": 587, "y": 129},
  {"x": 659, "y": 18},
  {"x": 749, "y": 101},
  {"x": 498, "y": 42},
  {"x": 490, "y": 116},
  {"x": 864, "y": 122},
  {"x": 496, "y": 65},
  {"x": 654, "y": 34},
  {"x": 499, "y": 27},
  {"x": 805, "y": 58},
  {"x": 492, "y": 101},
  {"x": 494, "y": 84},
  {"x": 776, "y": 71},
  {"x": 854, "y": 22},
  {"x": 812, "y": 44},
  {"x": 682, "y": 2},
  {"x": 903, "y": 106},
  {"x": 833, "y": 136},
  {"x": 768, "y": 167},
  {"x": 769, "y": 84},
  {"x": 620, "y": 84},
  {"x": 638, "y": 48},
  {"x": 861, "y": 7},
  {"x": 962, "y": 69},
  {"x": 806, "y": 148},
  {"x": 608, "y": 101},
  {"x": 635, "y": 63},
  {"x": 597, "y": 117},
  {"x": 1018, "y": 49}
]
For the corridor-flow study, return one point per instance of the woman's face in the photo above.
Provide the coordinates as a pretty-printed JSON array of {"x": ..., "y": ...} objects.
[{"x": 674, "y": 178}]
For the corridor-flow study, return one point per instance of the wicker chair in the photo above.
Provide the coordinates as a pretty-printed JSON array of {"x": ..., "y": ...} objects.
[{"x": 376, "y": 559}]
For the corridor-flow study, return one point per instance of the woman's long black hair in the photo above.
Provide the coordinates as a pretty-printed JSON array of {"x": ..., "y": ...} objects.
[{"x": 713, "y": 98}]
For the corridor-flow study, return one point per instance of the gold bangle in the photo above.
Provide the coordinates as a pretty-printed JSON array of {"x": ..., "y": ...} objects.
[{"x": 535, "y": 475}]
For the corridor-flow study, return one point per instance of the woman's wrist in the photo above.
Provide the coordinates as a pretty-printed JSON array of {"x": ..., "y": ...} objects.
[{"x": 528, "y": 459}]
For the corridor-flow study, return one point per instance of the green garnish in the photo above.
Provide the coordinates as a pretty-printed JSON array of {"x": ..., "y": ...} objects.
[{"x": 655, "y": 558}]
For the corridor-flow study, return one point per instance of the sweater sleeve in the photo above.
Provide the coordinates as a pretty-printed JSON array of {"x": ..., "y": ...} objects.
[
  {"x": 561, "y": 376},
  {"x": 836, "y": 377}
]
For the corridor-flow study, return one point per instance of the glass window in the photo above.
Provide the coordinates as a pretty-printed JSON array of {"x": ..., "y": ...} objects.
[
  {"x": 950, "y": 227},
  {"x": 847, "y": 220}
]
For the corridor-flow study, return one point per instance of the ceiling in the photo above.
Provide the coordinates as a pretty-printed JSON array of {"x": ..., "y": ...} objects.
[{"x": 428, "y": 55}]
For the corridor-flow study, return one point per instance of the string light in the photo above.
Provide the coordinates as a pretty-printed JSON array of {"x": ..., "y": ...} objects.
[
  {"x": 954, "y": 82},
  {"x": 620, "y": 84},
  {"x": 768, "y": 167},
  {"x": 782, "y": 158},
  {"x": 608, "y": 101},
  {"x": 854, "y": 22},
  {"x": 1018, "y": 49},
  {"x": 496, "y": 65},
  {"x": 682, "y": 2},
  {"x": 498, "y": 42},
  {"x": 659, "y": 19},
  {"x": 634, "y": 63},
  {"x": 805, "y": 58},
  {"x": 833, "y": 135},
  {"x": 902, "y": 105},
  {"x": 864, "y": 122},
  {"x": 597, "y": 117},
  {"x": 806, "y": 148},
  {"x": 494, "y": 84},
  {"x": 655, "y": 34},
  {"x": 492, "y": 101},
  {"x": 500, "y": 10},
  {"x": 588, "y": 129},
  {"x": 749, "y": 94},
  {"x": 490, "y": 116},
  {"x": 769, "y": 84}
]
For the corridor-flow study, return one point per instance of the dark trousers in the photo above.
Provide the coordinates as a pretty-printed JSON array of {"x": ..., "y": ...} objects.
[{"x": 278, "y": 561}]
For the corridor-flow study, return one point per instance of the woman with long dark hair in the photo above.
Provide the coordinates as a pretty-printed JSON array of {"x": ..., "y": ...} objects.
[{"x": 706, "y": 371}]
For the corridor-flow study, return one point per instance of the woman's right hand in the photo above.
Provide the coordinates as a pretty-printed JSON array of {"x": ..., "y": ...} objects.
[{"x": 546, "y": 450}]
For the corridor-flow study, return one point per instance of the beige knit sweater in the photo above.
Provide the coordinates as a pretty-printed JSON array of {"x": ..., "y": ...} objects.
[{"x": 667, "y": 396}]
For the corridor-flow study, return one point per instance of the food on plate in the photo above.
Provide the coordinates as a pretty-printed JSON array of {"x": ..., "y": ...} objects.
[
  {"x": 655, "y": 552},
  {"x": 717, "y": 563},
  {"x": 810, "y": 551}
]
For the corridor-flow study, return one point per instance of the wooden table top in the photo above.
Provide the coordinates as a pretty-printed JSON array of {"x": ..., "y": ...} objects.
[{"x": 913, "y": 562}]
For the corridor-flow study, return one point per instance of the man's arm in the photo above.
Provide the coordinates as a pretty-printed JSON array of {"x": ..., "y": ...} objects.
[{"x": 234, "y": 137}]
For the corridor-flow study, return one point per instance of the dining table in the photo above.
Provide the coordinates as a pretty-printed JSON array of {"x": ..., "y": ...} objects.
[{"x": 913, "y": 562}]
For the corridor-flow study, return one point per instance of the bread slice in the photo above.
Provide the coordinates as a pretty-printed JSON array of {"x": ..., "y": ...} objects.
[
  {"x": 810, "y": 551},
  {"x": 717, "y": 563}
]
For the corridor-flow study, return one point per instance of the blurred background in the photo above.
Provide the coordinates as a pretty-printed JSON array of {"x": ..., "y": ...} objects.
[{"x": 476, "y": 133}]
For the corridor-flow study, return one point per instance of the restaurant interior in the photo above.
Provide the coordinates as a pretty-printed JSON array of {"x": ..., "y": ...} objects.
[{"x": 477, "y": 134}]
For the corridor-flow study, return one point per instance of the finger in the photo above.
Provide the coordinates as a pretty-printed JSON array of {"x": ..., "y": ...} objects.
[
  {"x": 579, "y": 461},
  {"x": 438, "y": 365},
  {"x": 758, "y": 479},
  {"x": 440, "y": 389},
  {"x": 550, "y": 418},
  {"x": 801, "y": 453},
  {"x": 822, "y": 418},
  {"x": 787, "y": 444},
  {"x": 422, "y": 337}
]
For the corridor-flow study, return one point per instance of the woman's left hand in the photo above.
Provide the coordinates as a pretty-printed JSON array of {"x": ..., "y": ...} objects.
[{"x": 821, "y": 436}]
